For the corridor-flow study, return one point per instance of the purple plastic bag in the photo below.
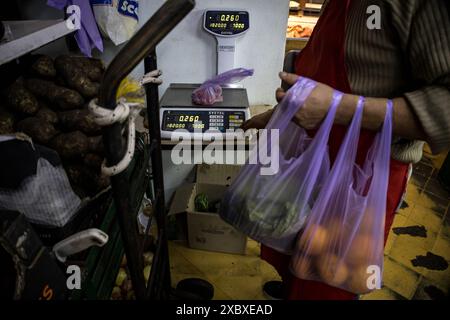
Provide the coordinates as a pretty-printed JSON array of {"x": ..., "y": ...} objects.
[
  {"x": 342, "y": 241},
  {"x": 88, "y": 37},
  {"x": 211, "y": 90},
  {"x": 272, "y": 208}
]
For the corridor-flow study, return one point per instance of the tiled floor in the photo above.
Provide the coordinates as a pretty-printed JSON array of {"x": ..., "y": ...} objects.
[{"x": 417, "y": 253}]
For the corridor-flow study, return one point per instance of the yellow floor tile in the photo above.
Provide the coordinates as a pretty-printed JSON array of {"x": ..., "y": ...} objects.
[
  {"x": 440, "y": 278},
  {"x": 426, "y": 217},
  {"x": 430, "y": 201},
  {"x": 382, "y": 294},
  {"x": 180, "y": 265},
  {"x": 403, "y": 253},
  {"x": 430, "y": 290},
  {"x": 442, "y": 247},
  {"x": 412, "y": 194},
  {"x": 426, "y": 243},
  {"x": 238, "y": 287},
  {"x": 400, "y": 221},
  {"x": 399, "y": 279},
  {"x": 390, "y": 242},
  {"x": 406, "y": 211}
]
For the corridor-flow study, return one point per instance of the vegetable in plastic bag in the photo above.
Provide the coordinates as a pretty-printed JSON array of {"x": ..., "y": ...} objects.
[
  {"x": 211, "y": 90},
  {"x": 272, "y": 209},
  {"x": 342, "y": 241}
]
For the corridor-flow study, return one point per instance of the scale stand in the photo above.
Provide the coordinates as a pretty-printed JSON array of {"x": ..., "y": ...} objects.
[{"x": 226, "y": 26}]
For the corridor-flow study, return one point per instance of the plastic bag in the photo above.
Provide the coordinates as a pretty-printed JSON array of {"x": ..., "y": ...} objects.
[
  {"x": 88, "y": 36},
  {"x": 342, "y": 241},
  {"x": 44, "y": 194},
  {"x": 131, "y": 90},
  {"x": 211, "y": 91},
  {"x": 272, "y": 208},
  {"x": 116, "y": 19}
]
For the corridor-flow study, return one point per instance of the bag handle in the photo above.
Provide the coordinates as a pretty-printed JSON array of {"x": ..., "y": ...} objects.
[
  {"x": 323, "y": 134},
  {"x": 379, "y": 156},
  {"x": 294, "y": 100},
  {"x": 347, "y": 152}
]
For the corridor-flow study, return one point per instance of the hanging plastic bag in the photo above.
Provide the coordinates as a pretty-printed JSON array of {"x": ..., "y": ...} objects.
[
  {"x": 87, "y": 37},
  {"x": 211, "y": 90},
  {"x": 272, "y": 208},
  {"x": 117, "y": 19},
  {"x": 342, "y": 241}
]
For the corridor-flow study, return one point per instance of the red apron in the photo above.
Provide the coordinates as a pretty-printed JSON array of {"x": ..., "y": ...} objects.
[{"x": 323, "y": 60}]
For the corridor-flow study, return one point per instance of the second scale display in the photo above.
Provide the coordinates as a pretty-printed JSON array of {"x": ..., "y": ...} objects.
[
  {"x": 202, "y": 120},
  {"x": 226, "y": 23}
]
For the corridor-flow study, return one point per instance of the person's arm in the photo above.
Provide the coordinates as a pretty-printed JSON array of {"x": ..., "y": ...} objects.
[
  {"x": 405, "y": 122},
  {"x": 316, "y": 107}
]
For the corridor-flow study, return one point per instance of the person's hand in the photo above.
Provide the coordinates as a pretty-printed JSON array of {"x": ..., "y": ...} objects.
[
  {"x": 257, "y": 122},
  {"x": 316, "y": 105}
]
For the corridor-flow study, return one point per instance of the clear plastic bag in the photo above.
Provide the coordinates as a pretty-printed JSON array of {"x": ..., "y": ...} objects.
[
  {"x": 117, "y": 19},
  {"x": 46, "y": 198},
  {"x": 342, "y": 241},
  {"x": 211, "y": 90},
  {"x": 272, "y": 208}
]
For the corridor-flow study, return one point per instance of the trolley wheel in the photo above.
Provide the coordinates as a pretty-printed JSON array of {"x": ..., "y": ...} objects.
[{"x": 197, "y": 287}]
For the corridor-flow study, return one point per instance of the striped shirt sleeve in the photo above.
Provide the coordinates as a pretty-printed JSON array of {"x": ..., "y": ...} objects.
[{"x": 427, "y": 46}]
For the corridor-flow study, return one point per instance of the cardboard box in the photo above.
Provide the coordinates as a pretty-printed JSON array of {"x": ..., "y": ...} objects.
[{"x": 207, "y": 231}]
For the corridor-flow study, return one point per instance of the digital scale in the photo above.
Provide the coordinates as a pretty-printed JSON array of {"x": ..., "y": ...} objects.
[{"x": 176, "y": 108}]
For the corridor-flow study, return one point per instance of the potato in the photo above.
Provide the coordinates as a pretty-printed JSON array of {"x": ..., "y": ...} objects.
[
  {"x": 148, "y": 258},
  {"x": 121, "y": 277},
  {"x": 88, "y": 180},
  {"x": 64, "y": 98},
  {"x": 22, "y": 100},
  {"x": 332, "y": 270},
  {"x": 75, "y": 77},
  {"x": 7, "y": 121},
  {"x": 314, "y": 240},
  {"x": 70, "y": 145},
  {"x": 102, "y": 182},
  {"x": 44, "y": 67},
  {"x": 81, "y": 120},
  {"x": 116, "y": 293},
  {"x": 91, "y": 67},
  {"x": 95, "y": 145},
  {"x": 93, "y": 160},
  {"x": 126, "y": 286},
  {"x": 78, "y": 174},
  {"x": 47, "y": 115},
  {"x": 358, "y": 280},
  {"x": 39, "y": 130},
  {"x": 360, "y": 250},
  {"x": 301, "y": 267},
  {"x": 147, "y": 270}
]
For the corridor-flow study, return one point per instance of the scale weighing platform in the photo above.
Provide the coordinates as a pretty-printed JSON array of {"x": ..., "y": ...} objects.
[
  {"x": 176, "y": 108},
  {"x": 178, "y": 112}
]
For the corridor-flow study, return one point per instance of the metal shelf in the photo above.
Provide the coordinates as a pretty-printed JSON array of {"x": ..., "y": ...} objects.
[{"x": 26, "y": 36}]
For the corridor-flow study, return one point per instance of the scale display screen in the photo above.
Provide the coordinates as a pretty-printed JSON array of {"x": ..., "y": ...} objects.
[
  {"x": 201, "y": 120},
  {"x": 226, "y": 23}
]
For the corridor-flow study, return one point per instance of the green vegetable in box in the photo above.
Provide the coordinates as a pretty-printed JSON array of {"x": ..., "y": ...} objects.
[{"x": 201, "y": 203}]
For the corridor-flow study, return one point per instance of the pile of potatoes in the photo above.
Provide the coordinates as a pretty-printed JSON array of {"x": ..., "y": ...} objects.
[
  {"x": 320, "y": 250},
  {"x": 49, "y": 104},
  {"x": 123, "y": 289}
]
